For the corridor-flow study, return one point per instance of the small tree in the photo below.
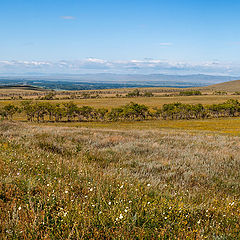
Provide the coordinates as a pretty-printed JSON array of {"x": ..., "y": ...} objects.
[{"x": 9, "y": 110}]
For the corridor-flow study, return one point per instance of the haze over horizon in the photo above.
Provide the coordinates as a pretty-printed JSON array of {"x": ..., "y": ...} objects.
[{"x": 123, "y": 37}]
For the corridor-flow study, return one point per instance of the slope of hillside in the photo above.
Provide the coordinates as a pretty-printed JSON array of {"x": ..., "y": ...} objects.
[{"x": 232, "y": 86}]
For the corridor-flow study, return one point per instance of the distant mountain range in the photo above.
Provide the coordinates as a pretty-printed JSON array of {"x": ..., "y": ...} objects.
[{"x": 106, "y": 80}]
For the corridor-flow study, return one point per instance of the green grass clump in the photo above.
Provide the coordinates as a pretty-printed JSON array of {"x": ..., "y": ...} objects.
[{"x": 69, "y": 183}]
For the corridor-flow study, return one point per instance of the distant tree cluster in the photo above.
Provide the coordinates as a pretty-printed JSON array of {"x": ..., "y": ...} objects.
[
  {"x": 136, "y": 93},
  {"x": 220, "y": 93},
  {"x": 190, "y": 93},
  {"x": 56, "y": 112}
]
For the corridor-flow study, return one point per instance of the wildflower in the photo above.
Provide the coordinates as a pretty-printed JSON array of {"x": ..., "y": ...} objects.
[
  {"x": 91, "y": 189},
  {"x": 109, "y": 203},
  {"x": 100, "y": 212},
  {"x": 19, "y": 208},
  {"x": 125, "y": 210},
  {"x": 149, "y": 185},
  {"x": 148, "y": 202},
  {"x": 130, "y": 201},
  {"x": 66, "y": 191},
  {"x": 48, "y": 185},
  {"x": 121, "y": 216},
  {"x": 121, "y": 186}
]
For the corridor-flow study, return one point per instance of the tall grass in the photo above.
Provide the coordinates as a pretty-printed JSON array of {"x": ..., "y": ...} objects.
[{"x": 78, "y": 183}]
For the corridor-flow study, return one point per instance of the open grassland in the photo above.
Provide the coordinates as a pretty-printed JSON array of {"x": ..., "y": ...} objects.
[
  {"x": 82, "y": 183},
  {"x": 148, "y": 101},
  {"x": 229, "y": 126}
]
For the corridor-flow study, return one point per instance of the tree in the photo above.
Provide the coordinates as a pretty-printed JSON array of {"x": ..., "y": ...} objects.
[
  {"x": 9, "y": 110},
  {"x": 28, "y": 108},
  {"x": 134, "y": 93},
  {"x": 70, "y": 110}
]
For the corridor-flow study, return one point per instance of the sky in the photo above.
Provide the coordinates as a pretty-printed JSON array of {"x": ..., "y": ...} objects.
[{"x": 120, "y": 36}]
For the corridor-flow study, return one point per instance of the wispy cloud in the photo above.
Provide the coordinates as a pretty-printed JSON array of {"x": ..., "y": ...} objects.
[
  {"x": 165, "y": 44},
  {"x": 146, "y": 66},
  {"x": 68, "y": 17}
]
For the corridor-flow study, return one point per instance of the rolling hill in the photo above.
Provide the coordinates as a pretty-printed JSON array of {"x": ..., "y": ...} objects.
[{"x": 232, "y": 86}]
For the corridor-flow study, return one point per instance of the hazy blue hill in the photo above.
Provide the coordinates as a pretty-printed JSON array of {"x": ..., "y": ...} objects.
[{"x": 108, "y": 80}]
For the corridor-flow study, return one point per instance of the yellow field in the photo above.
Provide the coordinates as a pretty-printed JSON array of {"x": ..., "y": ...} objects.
[
  {"x": 220, "y": 126},
  {"x": 149, "y": 101}
]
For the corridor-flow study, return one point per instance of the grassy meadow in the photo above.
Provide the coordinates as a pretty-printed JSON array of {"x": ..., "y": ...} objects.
[
  {"x": 81, "y": 183},
  {"x": 155, "y": 179},
  {"x": 209, "y": 126},
  {"x": 110, "y": 102}
]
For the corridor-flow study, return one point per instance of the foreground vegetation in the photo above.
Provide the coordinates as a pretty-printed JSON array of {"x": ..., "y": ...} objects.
[{"x": 76, "y": 183}]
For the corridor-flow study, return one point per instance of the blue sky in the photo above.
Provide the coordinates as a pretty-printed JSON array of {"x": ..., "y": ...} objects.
[{"x": 134, "y": 36}]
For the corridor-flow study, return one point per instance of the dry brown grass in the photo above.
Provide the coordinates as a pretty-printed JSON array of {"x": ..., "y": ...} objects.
[
  {"x": 150, "y": 102},
  {"x": 229, "y": 126},
  {"x": 232, "y": 86}
]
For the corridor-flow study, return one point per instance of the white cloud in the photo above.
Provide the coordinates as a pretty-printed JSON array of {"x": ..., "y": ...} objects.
[
  {"x": 96, "y": 60},
  {"x": 145, "y": 66}
]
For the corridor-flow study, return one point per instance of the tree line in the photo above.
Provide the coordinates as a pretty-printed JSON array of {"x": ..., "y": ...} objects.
[{"x": 69, "y": 111}]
